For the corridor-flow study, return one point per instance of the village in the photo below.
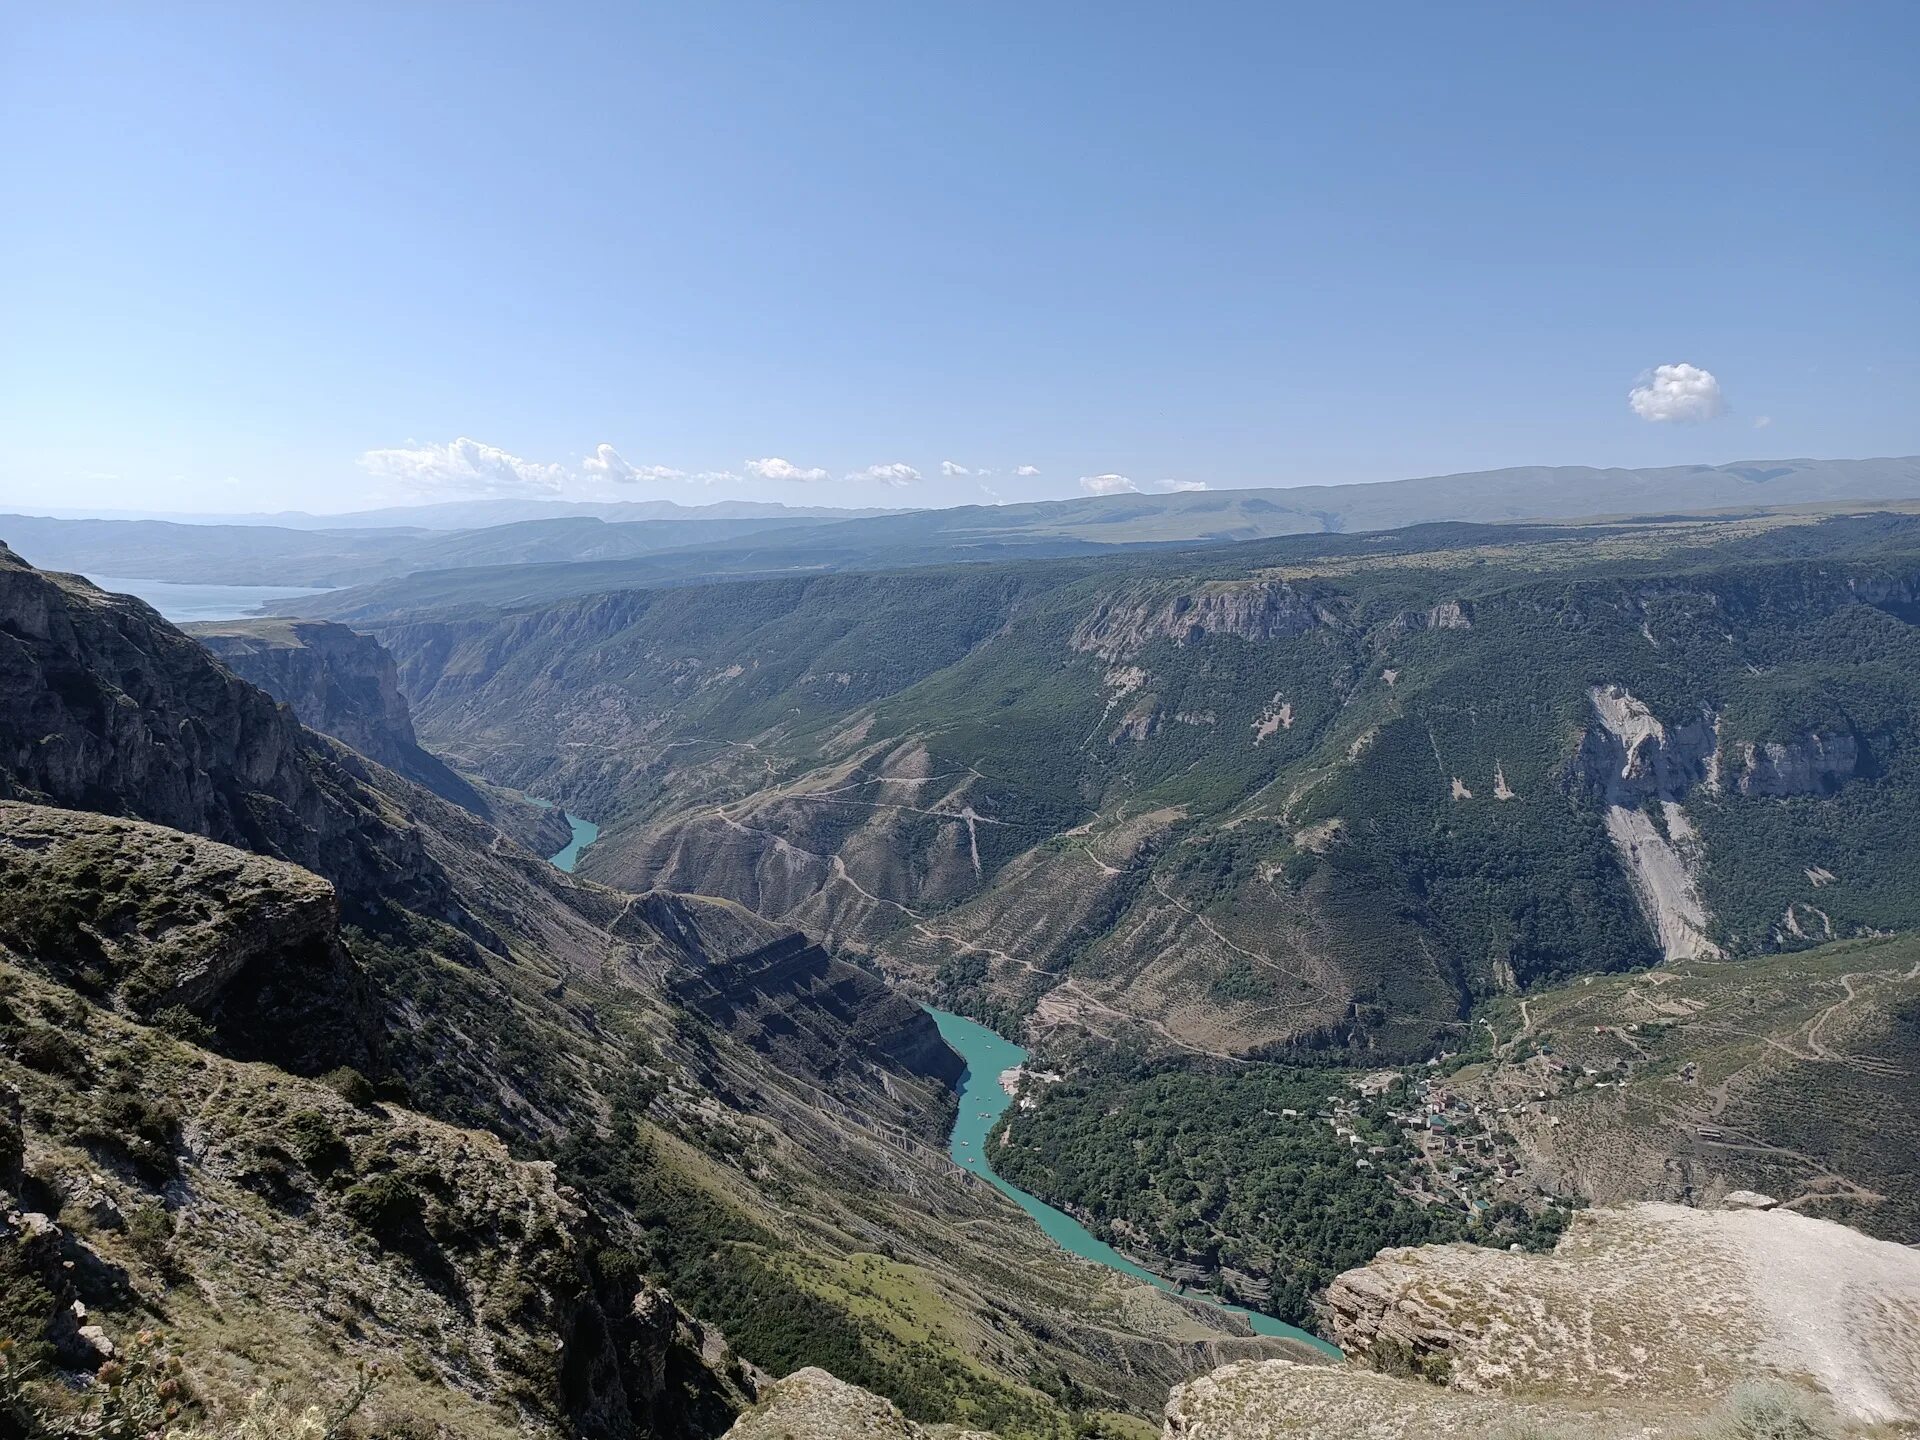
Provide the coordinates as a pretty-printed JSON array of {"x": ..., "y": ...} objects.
[{"x": 1447, "y": 1138}]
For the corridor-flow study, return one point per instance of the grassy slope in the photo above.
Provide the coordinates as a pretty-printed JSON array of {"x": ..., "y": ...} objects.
[{"x": 1789, "y": 1074}]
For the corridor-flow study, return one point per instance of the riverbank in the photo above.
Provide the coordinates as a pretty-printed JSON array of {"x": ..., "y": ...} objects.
[{"x": 982, "y": 1102}]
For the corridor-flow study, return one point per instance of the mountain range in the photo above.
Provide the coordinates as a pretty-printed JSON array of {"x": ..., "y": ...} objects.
[{"x": 1433, "y": 927}]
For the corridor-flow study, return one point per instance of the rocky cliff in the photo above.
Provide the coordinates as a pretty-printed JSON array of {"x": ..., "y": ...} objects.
[
  {"x": 1653, "y": 1321},
  {"x": 104, "y": 706},
  {"x": 798, "y": 1005},
  {"x": 144, "y": 918},
  {"x": 1121, "y": 625},
  {"x": 340, "y": 683},
  {"x": 163, "y": 1187}
]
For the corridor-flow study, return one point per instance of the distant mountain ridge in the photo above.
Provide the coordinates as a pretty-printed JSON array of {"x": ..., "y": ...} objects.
[{"x": 1052, "y": 528}]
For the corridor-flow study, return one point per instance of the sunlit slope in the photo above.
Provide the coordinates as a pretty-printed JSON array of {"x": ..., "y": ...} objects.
[{"x": 1270, "y": 797}]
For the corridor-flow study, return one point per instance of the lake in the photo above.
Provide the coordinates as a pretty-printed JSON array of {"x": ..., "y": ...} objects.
[
  {"x": 181, "y": 603},
  {"x": 982, "y": 1101}
]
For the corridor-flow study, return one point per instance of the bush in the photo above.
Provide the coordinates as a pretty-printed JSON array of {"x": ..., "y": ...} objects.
[
  {"x": 315, "y": 1143},
  {"x": 351, "y": 1086},
  {"x": 387, "y": 1206},
  {"x": 182, "y": 1024},
  {"x": 1770, "y": 1411},
  {"x": 51, "y": 1052}
]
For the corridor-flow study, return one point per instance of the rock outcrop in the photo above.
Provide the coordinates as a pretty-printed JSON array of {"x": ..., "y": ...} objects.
[
  {"x": 104, "y": 706},
  {"x": 810, "y": 1404},
  {"x": 1654, "y": 1302},
  {"x": 147, "y": 918},
  {"x": 341, "y": 683},
  {"x": 1813, "y": 764},
  {"x": 336, "y": 1232},
  {"x": 1122, "y": 625},
  {"x": 1655, "y": 1322}
]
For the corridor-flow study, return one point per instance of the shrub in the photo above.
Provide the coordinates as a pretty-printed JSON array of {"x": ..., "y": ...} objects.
[
  {"x": 387, "y": 1206},
  {"x": 1764, "y": 1411},
  {"x": 51, "y": 1052},
  {"x": 315, "y": 1143},
  {"x": 182, "y": 1024},
  {"x": 350, "y": 1085}
]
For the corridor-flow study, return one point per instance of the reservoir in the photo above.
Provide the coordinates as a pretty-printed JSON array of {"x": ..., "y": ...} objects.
[
  {"x": 182, "y": 603},
  {"x": 982, "y": 1102}
]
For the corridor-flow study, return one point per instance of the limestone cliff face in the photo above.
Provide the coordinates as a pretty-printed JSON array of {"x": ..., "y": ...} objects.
[
  {"x": 1812, "y": 764},
  {"x": 104, "y": 706},
  {"x": 340, "y": 683},
  {"x": 1122, "y": 625},
  {"x": 1630, "y": 756}
]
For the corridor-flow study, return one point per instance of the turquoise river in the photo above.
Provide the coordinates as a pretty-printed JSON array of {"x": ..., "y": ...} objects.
[
  {"x": 982, "y": 1101},
  {"x": 585, "y": 832}
]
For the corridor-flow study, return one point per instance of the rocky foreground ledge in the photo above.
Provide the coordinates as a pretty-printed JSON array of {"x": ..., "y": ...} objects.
[
  {"x": 1650, "y": 1322},
  {"x": 1647, "y": 1321}
]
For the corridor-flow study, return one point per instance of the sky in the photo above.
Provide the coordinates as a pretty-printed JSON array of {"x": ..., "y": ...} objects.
[{"x": 256, "y": 257}]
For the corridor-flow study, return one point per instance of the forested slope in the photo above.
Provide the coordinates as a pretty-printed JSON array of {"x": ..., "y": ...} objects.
[{"x": 1271, "y": 798}]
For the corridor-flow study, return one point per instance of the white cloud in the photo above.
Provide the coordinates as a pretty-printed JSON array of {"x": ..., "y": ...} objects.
[
  {"x": 1027, "y": 470},
  {"x": 774, "y": 468},
  {"x": 1181, "y": 485},
  {"x": 993, "y": 495},
  {"x": 1677, "y": 392},
  {"x": 1760, "y": 422},
  {"x": 951, "y": 468},
  {"x": 465, "y": 467},
  {"x": 1108, "y": 485},
  {"x": 712, "y": 477},
  {"x": 606, "y": 464},
  {"x": 896, "y": 474}
]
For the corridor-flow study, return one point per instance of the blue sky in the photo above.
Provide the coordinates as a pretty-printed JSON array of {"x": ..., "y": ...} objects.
[{"x": 257, "y": 256}]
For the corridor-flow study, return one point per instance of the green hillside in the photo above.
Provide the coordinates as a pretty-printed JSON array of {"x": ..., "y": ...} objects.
[{"x": 1277, "y": 798}]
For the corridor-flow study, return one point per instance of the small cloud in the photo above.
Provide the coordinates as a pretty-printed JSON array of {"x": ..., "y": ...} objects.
[
  {"x": 950, "y": 468},
  {"x": 463, "y": 467},
  {"x": 774, "y": 468},
  {"x": 712, "y": 477},
  {"x": 606, "y": 464},
  {"x": 993, "y": 495},
  {"x": 1182, "y": 485},
  {"x": 1108, "y": 485},
  {"x": 897, "y": 474},
  {"x": 1677, "y": 392},
  {"x": 1760, "y": 422}
]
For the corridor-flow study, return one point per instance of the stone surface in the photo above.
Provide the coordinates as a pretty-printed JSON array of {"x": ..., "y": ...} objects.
[{"x": 1654, "y": 1301}]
